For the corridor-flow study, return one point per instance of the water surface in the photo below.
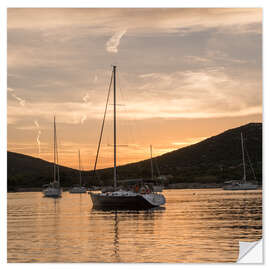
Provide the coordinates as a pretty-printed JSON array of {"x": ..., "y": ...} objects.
[{"x": 195, "y": 226}]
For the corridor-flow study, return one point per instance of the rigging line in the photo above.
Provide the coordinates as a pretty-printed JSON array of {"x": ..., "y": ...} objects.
[
  {"x": 157, "y": 167},
  {"x": 103, "y": 122},
  {"x": 57, "y": 161},
  {"x": 133, "y": 125},
  {"x": 54, "y": 155},
  {"x": 251, "y": 167},
  {"x": 129, "y": 123}
]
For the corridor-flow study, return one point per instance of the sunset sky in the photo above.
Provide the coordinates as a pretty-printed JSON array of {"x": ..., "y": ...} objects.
[{"x": 184, "y": 75}]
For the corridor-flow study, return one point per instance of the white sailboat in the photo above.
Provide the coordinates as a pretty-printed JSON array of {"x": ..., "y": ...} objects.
[
  {"x": 80, "y": 188},
  {"x": 139, "y": 196},
  {"x": 243, "y": 184},
  {"x": 54, "y": 188}
]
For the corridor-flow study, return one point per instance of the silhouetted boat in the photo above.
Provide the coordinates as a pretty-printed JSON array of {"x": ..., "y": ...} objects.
[
  {"x": 79, "y": 188},
  {"x": 240, "y": 184},
  {"x": 138, "y": 196},
  {"x": 54, "y": 189}
]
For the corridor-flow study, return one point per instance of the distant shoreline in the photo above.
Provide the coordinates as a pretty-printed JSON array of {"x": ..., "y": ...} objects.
[{"x": 173, "y": 186}]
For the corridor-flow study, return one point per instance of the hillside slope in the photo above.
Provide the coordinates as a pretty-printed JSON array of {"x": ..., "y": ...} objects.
[
  {"x": 26, "y": 171},
  {"x": 211, "y": 161}
]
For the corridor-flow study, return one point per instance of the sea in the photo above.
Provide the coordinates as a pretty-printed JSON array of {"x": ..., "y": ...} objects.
[{"x": 194, "y": 226}]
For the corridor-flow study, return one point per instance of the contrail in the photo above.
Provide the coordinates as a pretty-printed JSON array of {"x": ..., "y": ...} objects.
[
  {"x": 20, "y": 100},
  {"x": 113, "y": 43},
  {"x": 38, "y": 135}
]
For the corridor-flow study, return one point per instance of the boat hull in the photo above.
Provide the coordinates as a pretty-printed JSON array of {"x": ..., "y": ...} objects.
[
  {"x": 77, "y": 190},
  {"x": 52, "y": 192},
  {"x": 121, "y": 202},
  {"x": 241, "y": 187}
]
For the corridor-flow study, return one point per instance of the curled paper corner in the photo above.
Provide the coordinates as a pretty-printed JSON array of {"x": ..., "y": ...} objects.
[{"x": 250, "y": 252}]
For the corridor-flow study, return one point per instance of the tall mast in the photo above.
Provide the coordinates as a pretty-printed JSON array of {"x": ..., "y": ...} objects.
[
  {"x": 114, "y": 125},
  {"x": 80, "y": 169},
  {"x": 54, "y": 154},
  {"x": 243, "y": 157},
  {"x": 152, "y": 170}
]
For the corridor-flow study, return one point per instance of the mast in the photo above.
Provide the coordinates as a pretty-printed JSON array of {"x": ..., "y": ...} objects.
[
  {"x": 54, "y": 154},
  {"x": 243, "y": 157},
  {"x": 152, "y": 170},
  {"x": 80, "y": 173},
  {"x": 57, "y": 162},
  {"x": 114, "y": 125}
]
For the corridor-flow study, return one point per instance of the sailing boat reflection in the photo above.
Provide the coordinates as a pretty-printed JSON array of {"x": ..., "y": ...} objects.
[
  {"x": 116, "y": 237},
  {"x": 117, "y": 226}
]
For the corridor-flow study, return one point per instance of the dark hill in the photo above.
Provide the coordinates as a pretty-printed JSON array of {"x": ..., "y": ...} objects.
[
  {"x": 211, "y": 161},
  {"x": 26, "y": 171}
]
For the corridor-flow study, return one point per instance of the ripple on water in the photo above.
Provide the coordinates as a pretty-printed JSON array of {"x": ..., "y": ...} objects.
[{"x": 195, "y": 226}]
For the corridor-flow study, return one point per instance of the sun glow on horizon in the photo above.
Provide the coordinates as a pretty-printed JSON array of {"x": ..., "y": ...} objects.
[
  {"x": 183, "y": 74},
  {"x": 129, "y": 155}
]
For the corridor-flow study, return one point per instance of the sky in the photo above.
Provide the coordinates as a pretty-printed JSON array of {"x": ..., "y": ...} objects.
[{"x": 182, "y": 75}]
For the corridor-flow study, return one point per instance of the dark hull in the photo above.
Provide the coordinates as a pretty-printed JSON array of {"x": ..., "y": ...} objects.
[
  {"x": 52, "y": 196},
  {"x": 240, "y": 188},
  {"x": 120, "y": 202}
]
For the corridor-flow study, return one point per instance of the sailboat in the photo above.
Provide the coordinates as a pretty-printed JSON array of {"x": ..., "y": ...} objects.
[
  {"x": 240, "y": 185},
  {"x": 80, "y": 188},
  {"x": 138, "y": 196},
  {"x": 54, "y": 188}
]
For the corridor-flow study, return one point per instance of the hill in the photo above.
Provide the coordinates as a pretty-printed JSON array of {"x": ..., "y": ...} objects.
[
  {"x": 26, "y": 171},
  {"x": 213, "y": 160}
]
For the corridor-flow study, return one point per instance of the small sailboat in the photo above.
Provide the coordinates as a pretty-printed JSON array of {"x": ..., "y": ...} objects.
[
  {"x": 79, "y": 188},
  {"x": 243, "y": 184},
  {"x": 137, "y": 196},
  {"x": 54, "y": 189}
]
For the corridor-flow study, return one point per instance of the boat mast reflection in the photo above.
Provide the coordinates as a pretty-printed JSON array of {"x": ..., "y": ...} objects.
[{"x": 116, "y": 221}]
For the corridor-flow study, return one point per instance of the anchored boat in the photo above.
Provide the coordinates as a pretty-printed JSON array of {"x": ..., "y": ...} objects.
[
  {"x": 54, "y": 189},
  {"x": 79, "y": 188},
  {"x": 137, "y": 196},
  {"x": 243, "y": 184}
]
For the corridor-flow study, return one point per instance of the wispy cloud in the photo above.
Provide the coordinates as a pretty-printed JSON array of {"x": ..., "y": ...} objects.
[
  {"x": 139, "y": 20},
  {"x": 83, "y": 118},
  {"x": 113, "y": 43},
  {"x": 179, "y": 66},
  {"x": 86, "y": 98},
  {"x": 38, "y": 135},
  {"x": 20, "y": 100},
  {"x": 179, "y": 94}
]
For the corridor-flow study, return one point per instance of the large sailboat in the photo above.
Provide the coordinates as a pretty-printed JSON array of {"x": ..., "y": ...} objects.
[
  {"x": 79, "y": 188},
  {"x": 54, "y": 188},
  {"x": 140, "y": 195},
  {"x": 242, "y": 184}
]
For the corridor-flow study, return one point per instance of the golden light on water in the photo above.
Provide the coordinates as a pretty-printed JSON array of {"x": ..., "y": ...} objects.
[{"x": 199, "y": 225}]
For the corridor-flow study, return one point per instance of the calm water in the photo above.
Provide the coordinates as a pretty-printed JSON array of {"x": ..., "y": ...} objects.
[{"x": 195, "y": 226}]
